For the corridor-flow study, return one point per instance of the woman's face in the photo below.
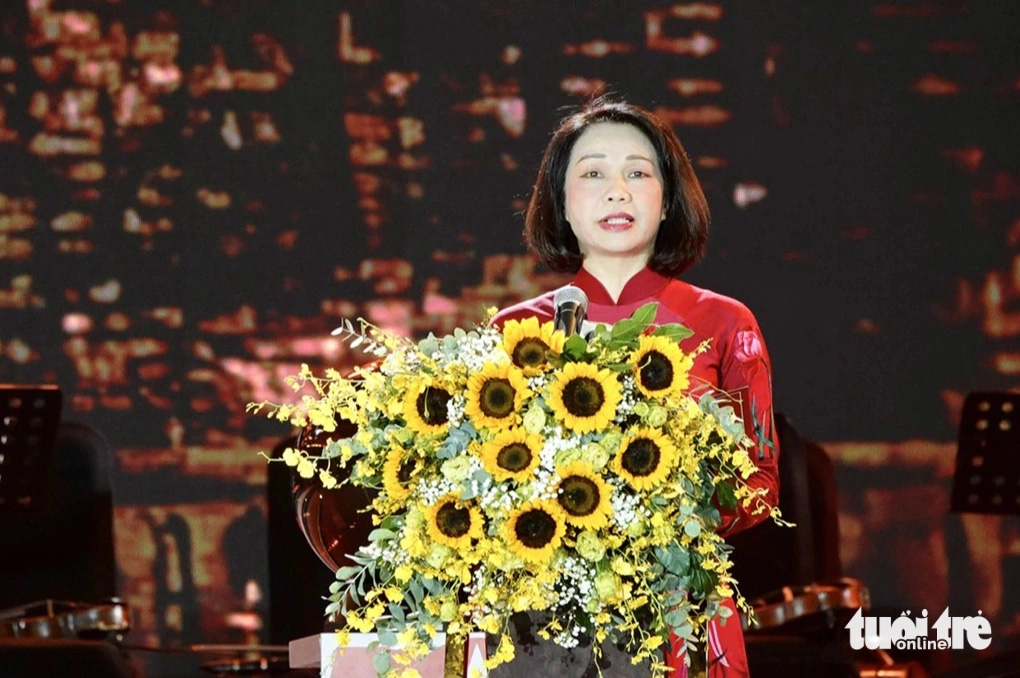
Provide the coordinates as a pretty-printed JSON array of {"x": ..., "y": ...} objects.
[{"x": 614, "y": 192}]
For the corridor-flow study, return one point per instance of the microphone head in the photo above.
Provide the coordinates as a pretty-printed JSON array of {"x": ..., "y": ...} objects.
[{"x": 571, "y": 294}]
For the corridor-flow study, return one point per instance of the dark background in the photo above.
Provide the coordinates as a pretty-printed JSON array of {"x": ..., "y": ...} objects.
[{"x": 193, "y": 193}]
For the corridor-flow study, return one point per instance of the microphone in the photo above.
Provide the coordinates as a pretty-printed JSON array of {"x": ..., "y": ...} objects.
[{"x": 571, "y": 307}]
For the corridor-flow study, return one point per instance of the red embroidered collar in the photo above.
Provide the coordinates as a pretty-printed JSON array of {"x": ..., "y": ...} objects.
[{"x": 642, "y": 285}]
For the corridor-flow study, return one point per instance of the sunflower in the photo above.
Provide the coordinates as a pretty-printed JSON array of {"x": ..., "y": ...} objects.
[
  {"x": 583, "y": 397},
  {"x": 528, "y": 344},
  {"x": 397, "y": 472},
  {"x": 535, "y": 531},
  {"x": 512, "y": 454},
  {"x": 425, "y": 408},
  {"x": 660, "y": 367},
  {"x": 645, "y": 458},
  {"x": 495, "y": 395},
  {"x": 454, "y": 523},
  {"x": 584, "y": 496}
]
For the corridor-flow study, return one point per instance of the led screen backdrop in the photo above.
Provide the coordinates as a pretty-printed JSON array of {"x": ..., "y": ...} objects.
[{"x": 194, "y": 193}]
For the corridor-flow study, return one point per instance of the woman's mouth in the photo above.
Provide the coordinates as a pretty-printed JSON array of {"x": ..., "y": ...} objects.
[{"x": 616, "y": 222}]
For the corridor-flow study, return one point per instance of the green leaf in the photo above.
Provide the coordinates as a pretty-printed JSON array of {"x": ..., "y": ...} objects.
[
  {"x": 727, "y": 497},
  {"x": 625, "y": 328},
  {"x": 620, "y": 367},
  {"x": 417, "y": 591},
  {"x": 387, "y": 637},
  {"x": 380, "y": 534},
  {"x": 575, "y": 347},
  {"x": 675, "y": 618},
  {"x": 396, "y": 612},
  {"x": 702, "y": 582},
  {"x": 692, "y": 529},
  {"x": 381, "y": 662},
  {"x": 645, "y": 315},
  {"x": 345, "y": 573},
  {"x": 674, "y": 331}
]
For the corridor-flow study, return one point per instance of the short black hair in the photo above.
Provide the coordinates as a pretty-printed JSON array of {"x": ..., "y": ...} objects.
[{"x": 682, "y": 236}]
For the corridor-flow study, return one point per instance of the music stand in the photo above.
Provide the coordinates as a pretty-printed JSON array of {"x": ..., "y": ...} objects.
[
  {"x": 987, "y": 477},
  {"x": 29, "y": 417}
]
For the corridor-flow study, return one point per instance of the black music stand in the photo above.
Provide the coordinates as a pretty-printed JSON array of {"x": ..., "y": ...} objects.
[
  {"x": 987, "y": 477},
  {"x": 29, "y": 417}
]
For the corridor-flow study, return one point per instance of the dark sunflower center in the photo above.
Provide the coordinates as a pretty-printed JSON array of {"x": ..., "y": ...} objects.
[
  {"x": 529, "y": 352},
  {"x": 452, "y": 521},
  {"x": 656, "y": 371},
  {"x": 641, "y": 458},
  {"x": 497, "y": 398},
  {"x": 579, "y": 496},
  {"x": 431, "y": 405},
  {"x": 535, "y": 528},
  {"x": 583, "y": 396},
  {"x": 406, "y": 468},
  {"x": 514, "y": 457}
]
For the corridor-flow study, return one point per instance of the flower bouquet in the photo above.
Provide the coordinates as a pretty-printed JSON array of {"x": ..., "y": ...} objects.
[{"x": 523, "y": 470}]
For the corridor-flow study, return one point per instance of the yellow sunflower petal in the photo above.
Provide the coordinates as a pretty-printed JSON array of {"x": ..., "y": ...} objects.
[
  {"x": 495, "y": 396},
  {"x": 584, "y": 496},
  {"x": 425, "y": 408},
  {"x": 512, "y": 454},
  {"x": 645, "y": 458},
  {"x": 397, "y": 472},
  {"x": 454, "y": 523},
  {"x": 660, "y": 367},
  {"x": 529, "y": 344},
  {"x": 535, "y": 531},
  {"x": 583, "y": 397}
]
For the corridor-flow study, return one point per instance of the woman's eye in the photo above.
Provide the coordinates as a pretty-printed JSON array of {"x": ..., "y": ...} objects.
[
  {"x": 640, "y": 173},
  {"x": 591, "y": 173}
]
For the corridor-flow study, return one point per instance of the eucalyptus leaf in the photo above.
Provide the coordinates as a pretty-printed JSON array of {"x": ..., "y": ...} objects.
[
  {"x": 345, "y": 573},
  {"x": 417, "y": 591},
  {"x": 381, "y": 662},
  {"x": 387, "y": 637},
  {"x": 380, "y": 534}
]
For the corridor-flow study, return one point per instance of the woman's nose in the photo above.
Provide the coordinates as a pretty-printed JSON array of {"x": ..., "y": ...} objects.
[{"x": 617, "y": 192}]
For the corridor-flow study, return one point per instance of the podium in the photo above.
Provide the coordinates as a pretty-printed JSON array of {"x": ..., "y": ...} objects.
[{"x": 355, "y": 660}]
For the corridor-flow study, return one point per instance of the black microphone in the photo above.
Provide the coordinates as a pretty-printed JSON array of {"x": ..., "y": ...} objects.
[{"x": 571, "y": 307}]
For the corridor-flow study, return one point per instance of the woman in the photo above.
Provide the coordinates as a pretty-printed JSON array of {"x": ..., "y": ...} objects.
[{"x": 617, "y": 202}]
